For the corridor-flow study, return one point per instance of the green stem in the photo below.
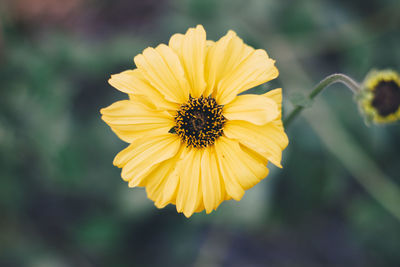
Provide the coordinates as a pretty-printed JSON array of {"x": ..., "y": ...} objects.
[{"x": 329, "y": 80}]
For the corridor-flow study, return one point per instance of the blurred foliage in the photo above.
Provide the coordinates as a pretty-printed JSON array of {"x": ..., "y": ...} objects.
[{"x": 62, "y": 202}]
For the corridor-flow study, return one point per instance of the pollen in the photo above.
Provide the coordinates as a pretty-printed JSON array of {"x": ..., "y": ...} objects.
[{"x": 199, "y": 122}]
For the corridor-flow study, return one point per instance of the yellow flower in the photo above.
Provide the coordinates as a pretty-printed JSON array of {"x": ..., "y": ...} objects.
[
  {"x": 379, "y": 98},
  {"x": 193, "y": 141}
]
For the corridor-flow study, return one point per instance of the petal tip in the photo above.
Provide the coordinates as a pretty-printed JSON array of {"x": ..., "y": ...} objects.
[
  {"x": 188, "y": 214},
  {"x": 278, "y": 165},
  {"x": 200, "y": 28},
  {"x": 231, "y": 33}
]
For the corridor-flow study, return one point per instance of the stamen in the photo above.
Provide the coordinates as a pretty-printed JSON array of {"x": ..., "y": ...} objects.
[{"x": 199, "y": 122}]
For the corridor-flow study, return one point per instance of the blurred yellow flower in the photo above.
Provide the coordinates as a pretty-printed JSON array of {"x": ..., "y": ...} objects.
[
  {"x": 193, "y": 141},
  {"x": 379, "y": 98}
]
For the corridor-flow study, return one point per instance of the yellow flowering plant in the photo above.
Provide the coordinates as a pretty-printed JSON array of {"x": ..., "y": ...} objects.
[{"x": 193, "y": 140}]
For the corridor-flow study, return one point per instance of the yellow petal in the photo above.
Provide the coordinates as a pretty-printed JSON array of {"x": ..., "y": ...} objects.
[
  {"x": 134, "y": 83},
  {"x": 212, "y": 184},
  {"x": 256, "y": 169},
  {"x": 276, "y": 96},
  {"x": 143, "y": 155},
  {"x": 239, "y": 170},
  {"x": 268, "y": 140},
  {"x": 175, "y": 42},
  {"x": 200, "y": 203},
  {"x": 188, "y": 192},
  {"x": 162, "y": 182},
  {"x": 152, "y": 104},
  {"x": 171, "y": 186},
  {"x": 254, "y": 70},
  {"x": 222, "y": 57},
  {"x": 256, "y": 109},
  {"x": 191, "y": 49},
  {"x": 209, "y": 86},
  {"x": 131, "y": 120},
  {"x": 161, "y": 67}
]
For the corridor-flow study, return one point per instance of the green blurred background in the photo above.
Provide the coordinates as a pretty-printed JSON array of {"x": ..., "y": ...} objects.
[{"x": 63, "y": 203}]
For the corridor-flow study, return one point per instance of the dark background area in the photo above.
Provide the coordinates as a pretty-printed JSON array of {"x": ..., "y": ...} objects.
[{"x": 63, "y": 203}]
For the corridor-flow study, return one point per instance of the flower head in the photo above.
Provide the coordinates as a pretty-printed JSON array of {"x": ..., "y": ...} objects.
[
  {"x": 379, "y": 98},
  {"x": 193, "y": 141}
]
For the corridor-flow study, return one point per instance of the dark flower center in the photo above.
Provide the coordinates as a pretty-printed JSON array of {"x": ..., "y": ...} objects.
[
  {"x": 199, "y": 122},
  {"x": 386, "y": 97}
]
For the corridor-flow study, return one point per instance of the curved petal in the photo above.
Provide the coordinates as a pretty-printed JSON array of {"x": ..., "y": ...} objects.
[
  {"x": 276, "y": 96},
  {"x": 256, "y": 109},
  {"x": 175, "y": 42},
  {"x": 143, "y": 155},
  {"x": 162, "y": 68},
  {"x": 239, "y": 170},
  {"x": 268, "y": 140},
  {"x": 171, "y": 186},
  {"x": 200, "y": 202},
  {"x": 135, "y": 84},
  {"x": 222, "y": 57},
  {"x": 191, "y": 49},
  {"x": 209, "y": 83},
  {"x": 188, "y": 196},
  {"x": 255, "y": 69},
  {"x": 131, "y": 120},
  {"x": 162, "y": 183},
  {"x": 212, "y": 185},
  {"x": 152, "y": 104}
]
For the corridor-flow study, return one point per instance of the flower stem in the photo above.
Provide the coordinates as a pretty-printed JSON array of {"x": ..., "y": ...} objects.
[{"x": 327, "y": 81}]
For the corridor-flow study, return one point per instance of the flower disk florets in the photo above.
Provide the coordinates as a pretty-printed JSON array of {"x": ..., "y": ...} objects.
[
  {"x": 386, "y": 97},
  {"x": 199, "y": 122},
  {"x": 379, "y": 98}
]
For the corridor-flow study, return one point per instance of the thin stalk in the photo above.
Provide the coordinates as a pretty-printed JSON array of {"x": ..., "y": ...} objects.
[{"x": 326, "y": 82}]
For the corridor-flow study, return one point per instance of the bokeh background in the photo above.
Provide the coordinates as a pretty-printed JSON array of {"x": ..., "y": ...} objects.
[{"x": 63, "y": 203}]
